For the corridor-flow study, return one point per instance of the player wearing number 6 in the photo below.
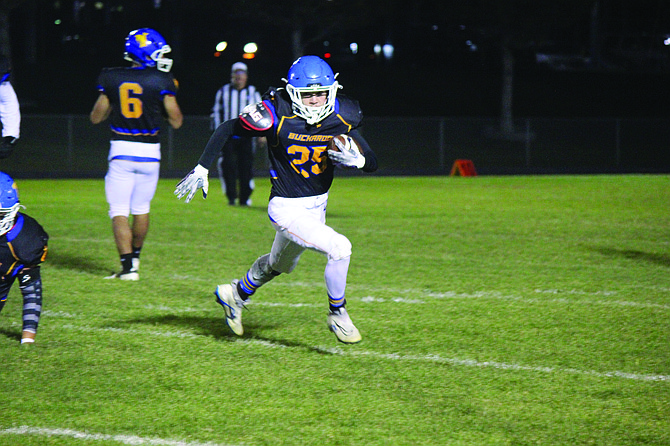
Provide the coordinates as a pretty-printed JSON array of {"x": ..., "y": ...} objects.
[
  {"x": 298, "y": 121},
  {"x": 136, "y": 99}
]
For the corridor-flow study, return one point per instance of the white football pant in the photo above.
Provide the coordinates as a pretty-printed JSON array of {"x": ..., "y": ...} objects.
[
  {"x": 130, "y": 186},
  {"x": 301, "y": 224}
]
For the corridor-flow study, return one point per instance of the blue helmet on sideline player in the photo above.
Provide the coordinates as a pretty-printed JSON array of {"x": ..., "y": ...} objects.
[
  {"x": 9, "y": 202},
  {"x": 311, "y": 74},
  {"x": 147, "y": 47}
]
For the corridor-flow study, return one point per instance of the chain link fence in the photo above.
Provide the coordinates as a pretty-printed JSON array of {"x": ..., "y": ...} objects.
[{"x": 69, "y": 146}]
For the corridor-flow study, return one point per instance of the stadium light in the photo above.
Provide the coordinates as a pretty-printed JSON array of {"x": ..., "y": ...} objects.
[
  {"x": 221, "y": 46},
  {"x": 388, "y": 50},
  {"x": 250, "y": 50},
  {"x": 353, "y": 46}
]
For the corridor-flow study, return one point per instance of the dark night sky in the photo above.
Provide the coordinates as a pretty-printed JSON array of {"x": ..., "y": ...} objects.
[{"x": 445, "y": 77}]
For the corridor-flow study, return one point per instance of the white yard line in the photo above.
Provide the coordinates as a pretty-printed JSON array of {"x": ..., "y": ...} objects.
[
  {"x": 567, "y": 300},
  {"x": 419, "y": 297},
  {"x": 86, "y": 436},
  {"x": 501, "y": 365},
  {"x": 459, "y": 362}
]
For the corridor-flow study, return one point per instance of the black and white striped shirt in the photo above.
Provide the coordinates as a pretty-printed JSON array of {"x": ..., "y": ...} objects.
[{"x": 229, "y": 102}]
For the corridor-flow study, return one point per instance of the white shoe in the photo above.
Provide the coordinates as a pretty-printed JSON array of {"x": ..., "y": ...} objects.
[
  {"x": 136, "y": 265},
  {"x": 131, "y": 275},
  {"x": 227, "y": 297},
  {"x": 340, "y": 323}
]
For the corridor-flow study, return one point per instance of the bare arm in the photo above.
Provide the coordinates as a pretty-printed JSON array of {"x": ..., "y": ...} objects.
[
  {"x": 101, "y": 109},
  {"x": 174, "y": 115}
]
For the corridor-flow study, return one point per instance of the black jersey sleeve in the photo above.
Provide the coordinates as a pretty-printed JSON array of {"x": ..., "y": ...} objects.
[
  {"x": 169, "y": 84},
  {"x": 220, "y": 137},
  {"x": 25, "y": 245},
  {"x": 370, "y": 156},
  {"x": 232, "y": 127},
  {"x": 101, "y": 83},
  {"x": 30, "y": 245}
]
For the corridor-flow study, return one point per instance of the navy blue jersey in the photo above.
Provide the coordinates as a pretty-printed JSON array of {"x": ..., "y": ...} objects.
[
  {"x": 24, "y": 245},
  {"x": 136, "y": 96},
  {"x": 300, "y": 166}
]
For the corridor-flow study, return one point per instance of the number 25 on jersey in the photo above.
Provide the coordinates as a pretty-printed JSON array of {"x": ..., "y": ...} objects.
[{"x": 308, "y": 160}]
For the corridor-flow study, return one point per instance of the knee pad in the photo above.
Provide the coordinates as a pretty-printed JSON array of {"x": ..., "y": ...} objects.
[
  {"x": 341, "y": 248},
  {"x": 284, "y": 265},
  {"x": 261, "y": 272},
  {"x": 28, "y": 276},
  {"x": 30, "y": 284},
  {"x": 264, "y": 265}
]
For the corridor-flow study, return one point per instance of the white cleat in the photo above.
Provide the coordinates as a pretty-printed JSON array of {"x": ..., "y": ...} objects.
[
  {"x": 340, "y": 323},
  {"x": 227, "y": 297},
  {"x": 132, "y": 275}
]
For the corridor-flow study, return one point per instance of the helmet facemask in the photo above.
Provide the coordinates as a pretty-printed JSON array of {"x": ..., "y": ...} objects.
[
  {"x": 162, "y": 63},
  {"x": 313, "y": 115},
  {"x": 9, "y": 203},
  {"x": 7, "y": 218},
  {"x": 156, "y": 59}
]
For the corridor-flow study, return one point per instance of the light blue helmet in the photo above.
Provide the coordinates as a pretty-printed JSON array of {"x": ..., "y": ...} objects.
[
  {"x": 9, "y": 202},
  {"x": 310, "y": 74},
  {"x": 147, "y": 47}
]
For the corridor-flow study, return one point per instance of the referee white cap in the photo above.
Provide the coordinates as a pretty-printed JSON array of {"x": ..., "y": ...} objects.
[{"x": 238, "y": 66}]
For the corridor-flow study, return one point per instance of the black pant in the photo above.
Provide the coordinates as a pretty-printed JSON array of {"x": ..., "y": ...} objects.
[{"x": 236, "y": 164}]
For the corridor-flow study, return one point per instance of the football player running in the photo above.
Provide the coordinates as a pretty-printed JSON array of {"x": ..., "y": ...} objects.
[
  {"x": 23, "y": 246},
  {"x": 298, "y": 121},
  {"x": 135, "y": 98}
]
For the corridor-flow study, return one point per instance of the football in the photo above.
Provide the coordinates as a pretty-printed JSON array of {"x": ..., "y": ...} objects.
[{"x": 345, "y": 141}]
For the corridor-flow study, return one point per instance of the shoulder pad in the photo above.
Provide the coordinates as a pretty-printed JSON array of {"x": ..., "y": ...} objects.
[
  {"x": 269, "y": 93},
  {"x": 280, "y": 102},
  {"x": 256, "y": 117},
  {"x": 349, "y": 109}
]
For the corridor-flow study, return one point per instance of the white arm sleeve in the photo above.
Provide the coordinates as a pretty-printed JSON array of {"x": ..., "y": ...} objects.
[{"x": 10, "y": 115}]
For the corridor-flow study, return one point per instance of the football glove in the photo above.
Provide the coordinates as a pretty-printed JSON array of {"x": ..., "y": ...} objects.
[
  {"x": 348, "y": 155},
  {"x": 196, "y": 179},
  {"x": 7, "y": 146}
]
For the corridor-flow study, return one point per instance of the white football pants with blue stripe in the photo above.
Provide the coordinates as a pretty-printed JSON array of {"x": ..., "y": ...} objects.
[{"x": 300, "y": 224}]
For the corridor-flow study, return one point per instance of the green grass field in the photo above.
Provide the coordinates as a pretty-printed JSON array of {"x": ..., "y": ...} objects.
[{"x": 494, "y": 311}]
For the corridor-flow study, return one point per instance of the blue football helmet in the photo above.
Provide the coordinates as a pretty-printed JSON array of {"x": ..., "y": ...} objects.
[
  {"x": 311, "y": 74},
  {"x": 9, "y": 202},
  {"x": 147, "y": 47}
]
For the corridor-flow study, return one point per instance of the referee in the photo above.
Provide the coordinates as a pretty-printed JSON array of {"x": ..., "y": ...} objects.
[{"x": 236, "y": 160}]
